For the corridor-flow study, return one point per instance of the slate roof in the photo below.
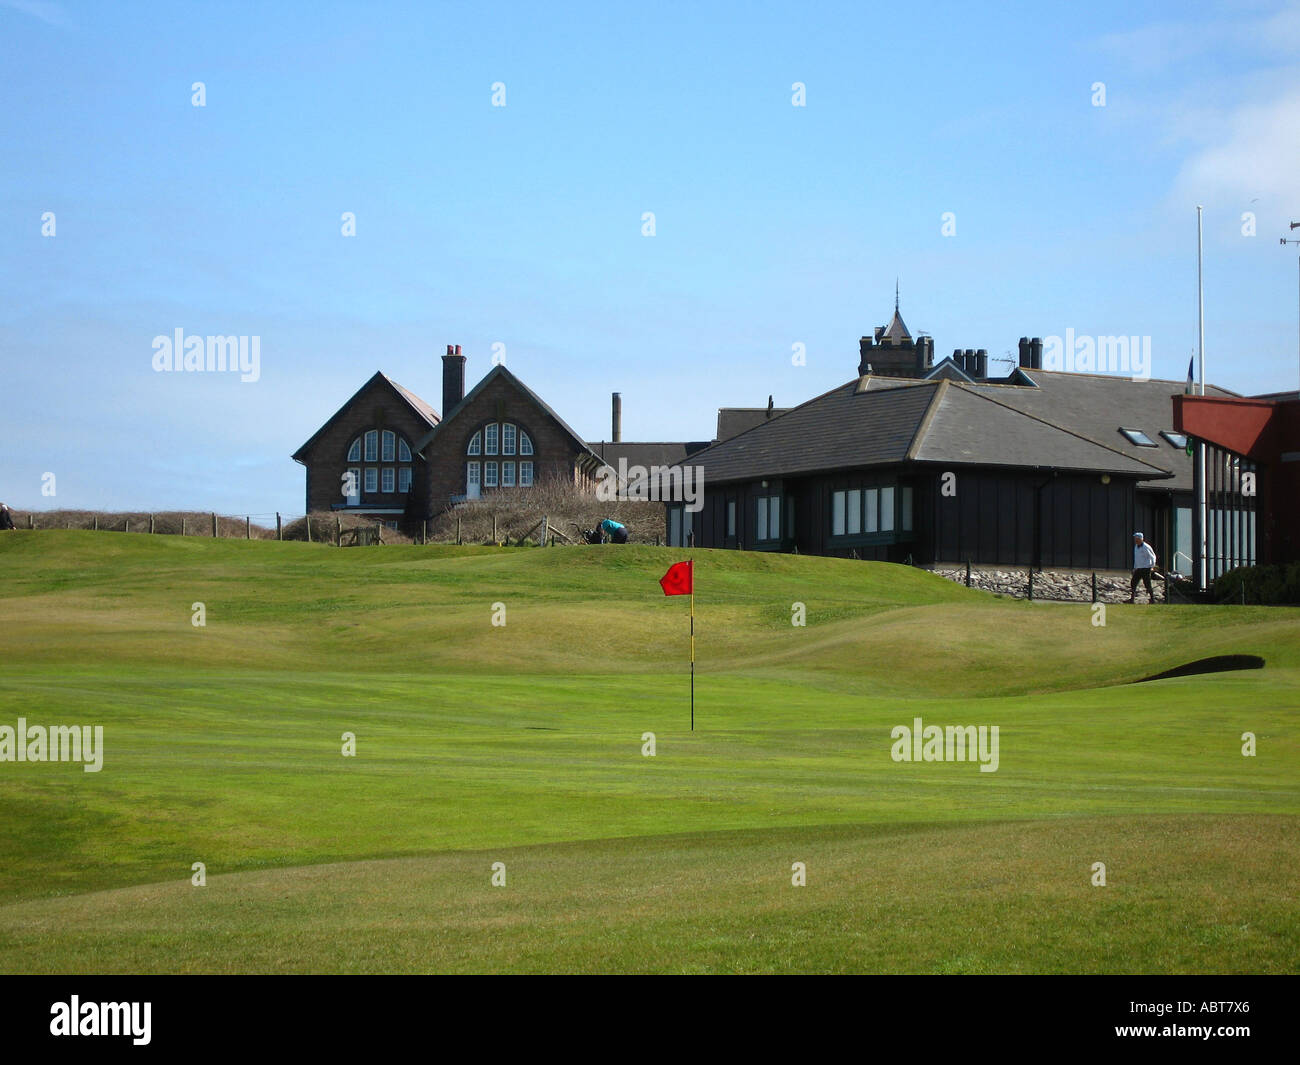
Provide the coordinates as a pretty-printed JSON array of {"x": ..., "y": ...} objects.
[
  {"x": 875, "y": 422},
  {"x": 646, "y": 453},
  {"x": 1097, "y": 405},
  {"x": 735, "y": 420}
]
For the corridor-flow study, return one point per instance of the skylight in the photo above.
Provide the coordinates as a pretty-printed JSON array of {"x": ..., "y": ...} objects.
[
  {"x": 1138, "y": 437},
  {"x": 1179, "y": 440}
]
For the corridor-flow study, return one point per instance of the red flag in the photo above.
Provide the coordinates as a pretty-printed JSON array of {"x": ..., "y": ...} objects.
[{"x": 679, "y": 580}]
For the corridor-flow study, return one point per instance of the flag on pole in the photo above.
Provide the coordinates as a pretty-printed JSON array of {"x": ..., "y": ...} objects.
[
  {"x": 680, "y": 580},
  {"x": 1190, "y": 387}
]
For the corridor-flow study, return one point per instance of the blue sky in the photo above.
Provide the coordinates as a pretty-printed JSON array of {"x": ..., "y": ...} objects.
[{"x": 522, "y": 225}]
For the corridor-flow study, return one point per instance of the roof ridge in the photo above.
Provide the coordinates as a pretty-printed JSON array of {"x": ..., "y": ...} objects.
[{"x": 923, "y": 426}]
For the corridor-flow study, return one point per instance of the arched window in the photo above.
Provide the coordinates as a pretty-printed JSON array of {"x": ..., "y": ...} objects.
[
  {"x": 373, "y": 483},
  {"x": 498, "y": 438}
]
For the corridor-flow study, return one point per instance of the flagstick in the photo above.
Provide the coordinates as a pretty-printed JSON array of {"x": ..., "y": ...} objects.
[{"x": 692, "y": 561}]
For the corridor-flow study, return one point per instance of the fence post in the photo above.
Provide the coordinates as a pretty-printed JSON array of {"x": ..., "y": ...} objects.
[
  {"x": 1031, "y": 584},
  {"x": 338, "y": 531},
  {"x": 248, "y": 527},
  {"x": 968, "y": 573},
  {"x": 494, "y": 529},
  {"x": 379, "y": 532},
  {"x": 307, "y": 519},
  {"x": 96, "y": 525},
  {"x": 150, "y": 523},
  {"x": 214, "y": 524},
  {"x": 127, "y": 527},
  {"x": 424, "y": 532},
  {"x": 546, "y": 525},
  {"x": 457, "y": 528},
  {"x": 279, "y": 529},
  {"x": 182, "y": 525},
  {"x": 1243, "y": 590},
  {"x": 1094, "y": 587},
  {"x": 31, "y": 521}
]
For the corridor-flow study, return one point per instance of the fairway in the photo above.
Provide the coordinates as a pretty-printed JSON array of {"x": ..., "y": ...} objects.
[{"x": 522, "y": 744}]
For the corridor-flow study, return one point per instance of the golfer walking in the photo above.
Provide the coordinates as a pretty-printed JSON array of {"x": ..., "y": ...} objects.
[{"x": 1144, "y": 559}]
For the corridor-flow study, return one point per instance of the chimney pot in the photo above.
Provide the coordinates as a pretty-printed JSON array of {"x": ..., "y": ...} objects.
[{"x": 616, "y": 413}]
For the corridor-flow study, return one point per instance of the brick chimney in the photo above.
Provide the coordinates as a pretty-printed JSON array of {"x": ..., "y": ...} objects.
[
  {"x": 453, "y": 378},
  {"x": 1036, "y": 353},
  {"x": 981, "y": 369},
  {"x": 616, "y": 418},
  {"x": 1026, "y": 354}
]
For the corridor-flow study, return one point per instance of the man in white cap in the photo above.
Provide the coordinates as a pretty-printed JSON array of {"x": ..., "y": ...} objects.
[
  {"x": 1144, "y": 558},
  {"x": 6, "y": 517}
]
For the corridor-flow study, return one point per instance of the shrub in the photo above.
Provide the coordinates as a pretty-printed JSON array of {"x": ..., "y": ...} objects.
[{"x": 1265, "y": 585}]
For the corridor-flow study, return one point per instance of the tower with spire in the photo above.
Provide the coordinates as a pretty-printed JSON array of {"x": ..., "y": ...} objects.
[{"x": 892, "y": 351}]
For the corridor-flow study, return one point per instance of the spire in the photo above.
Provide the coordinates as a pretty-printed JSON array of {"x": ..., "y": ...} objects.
[{"x": 895, "y": 295}]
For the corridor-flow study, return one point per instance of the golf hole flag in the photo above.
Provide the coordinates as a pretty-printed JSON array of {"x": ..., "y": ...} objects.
[{"x": 680, "y": 580}]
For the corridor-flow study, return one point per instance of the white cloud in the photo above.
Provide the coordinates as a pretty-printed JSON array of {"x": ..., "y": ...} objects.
[{"x": 45, "y": 10}]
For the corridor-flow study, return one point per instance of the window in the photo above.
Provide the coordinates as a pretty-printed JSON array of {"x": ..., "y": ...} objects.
[
  {"x": 525, "y": 443},
  {"x": 372, "y": 479},
  {"x": 372, "y": 445},
  {"x": 1179, "y": 440},
  {"x": 475, "y": 444},
  {"x": 472, "y": 472},
  {"x": 525, "y": 474},
  {"x": 388, "y": 479},
  {"x": 837, "y": 513},
  {"x": 675, "y": 527},
  {"x": 489, "y": 475},
  {"x": 404, "y": 479},
  {"x": 887, "y": 509},
  {"x": 1137, "y": 436},
  {"x": 507, "y": 475},
  {"x": 731, "y": 517},
  {"x": 507, "y": 439},
  {"x": 490, "y": 439},
  {"x": 354, "y": 450},
  {"x": 873, "y": 511},
  {"x": 352, "y": 485},
  {"x": 853, "y": 513},
  {"x": 769, "y": 518},
  {"x": 403, "y": 450},
  {"x": 907, "y": 508},
  {"x": 390, "y": 446}
]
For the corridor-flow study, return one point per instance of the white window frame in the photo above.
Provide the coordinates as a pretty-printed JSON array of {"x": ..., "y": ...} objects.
[
  {"x": 388, "y": 480},
  {"x": 508, "y": 436},
  {"x": 372, "y": 445},
  {"x": 525, "y": 475},
  {"x": 355, "y": 496},
  {"x": 404, "y": 479},
  {"x": 525, "y": 443},
  {"x": 507, "y": 475},
  {"x": 403, "y": 450},
  {"x": 354, "y": 450},
  {"x": 490, "y": 438},
  {"x": 475, "y": 444},
  {"x": 388, "y": 446},
  {"x": 473, "y": 474},
  {"x": 372, "y": 479},
  {"x": 489, "y": 475}
]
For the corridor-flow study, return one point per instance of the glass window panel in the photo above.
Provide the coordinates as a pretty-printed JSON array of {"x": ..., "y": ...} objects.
[
  {"x": 525, "y": 474},
  {"x": 390, "y": 444},
  {"x": 404, "y": 479},
  {"x": 507, "y": 439},
  {"x": 372, "y": 445},
  {"x": 354, "y": 450},
  {"x": 489, "y": 474},
  {"x": 372, "y": 479},
  {"x": 525, "y": 443},
  {"x": 388, "y": 478},
  {"x": 887, "y": 509},
  {"x": 403, "y": 450},
  {"x": 837, "y": 514},
  {"x": 476, "y": 444},
  {"x": 507, "y": 475},
  {"x": 853, "y": 514},
  {"x": 873, "y": 511},
  {"x": 490, "y": 439}
]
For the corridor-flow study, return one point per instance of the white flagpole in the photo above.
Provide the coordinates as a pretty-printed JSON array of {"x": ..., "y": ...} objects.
[{"x": 1198, "y": 472}]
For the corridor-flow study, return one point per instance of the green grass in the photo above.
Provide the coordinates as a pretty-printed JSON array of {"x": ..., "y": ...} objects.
[{"x": 522, "y": 744}]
